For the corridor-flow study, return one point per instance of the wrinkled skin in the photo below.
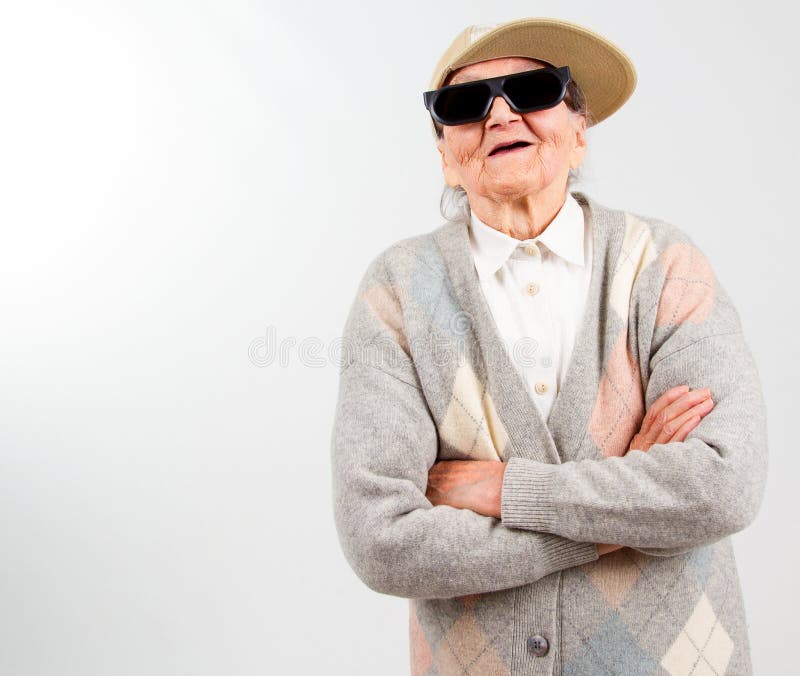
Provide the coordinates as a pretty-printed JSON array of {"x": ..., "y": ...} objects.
[{"x": 520, "y": 192}]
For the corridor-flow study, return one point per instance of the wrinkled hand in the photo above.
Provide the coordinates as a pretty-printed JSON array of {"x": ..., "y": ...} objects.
[
  {"x": 671, "y": 417},
  {"x": 467, "y": 484}
]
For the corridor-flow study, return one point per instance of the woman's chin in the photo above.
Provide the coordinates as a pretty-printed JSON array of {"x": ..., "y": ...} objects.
[{"x": 513, "y": 189}]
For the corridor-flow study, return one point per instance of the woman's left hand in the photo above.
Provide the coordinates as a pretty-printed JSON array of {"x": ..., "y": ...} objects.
[{"x": 467, "y": 484}]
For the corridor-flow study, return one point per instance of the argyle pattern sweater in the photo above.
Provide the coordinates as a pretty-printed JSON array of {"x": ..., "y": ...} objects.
[{"x": 425, "y": 376}]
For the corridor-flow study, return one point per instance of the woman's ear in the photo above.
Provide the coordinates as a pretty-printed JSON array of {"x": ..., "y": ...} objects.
[
  {"x": 451, "y": 176},
  {"x": 578, "y": 153}
]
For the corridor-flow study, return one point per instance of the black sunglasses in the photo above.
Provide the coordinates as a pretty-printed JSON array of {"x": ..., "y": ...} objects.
[{"x": 524, "y": 92}]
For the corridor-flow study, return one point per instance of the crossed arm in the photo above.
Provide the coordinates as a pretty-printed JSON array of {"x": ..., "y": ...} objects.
[
  {"x": 477, "y": 484},
  {"x": 660, "y": 498},
  {"x": 414, "y": 527}
]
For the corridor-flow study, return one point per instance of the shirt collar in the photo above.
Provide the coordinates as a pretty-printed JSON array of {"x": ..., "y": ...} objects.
[{"x": 564, "y": 236}]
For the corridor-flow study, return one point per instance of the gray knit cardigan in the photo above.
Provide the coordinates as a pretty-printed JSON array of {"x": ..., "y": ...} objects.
[{"x": 425, "y": 376}]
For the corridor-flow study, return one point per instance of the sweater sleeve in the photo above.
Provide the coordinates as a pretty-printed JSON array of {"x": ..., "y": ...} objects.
[
  {"x": 677, "y": 495},
  {"x": 384, "y": 443}
]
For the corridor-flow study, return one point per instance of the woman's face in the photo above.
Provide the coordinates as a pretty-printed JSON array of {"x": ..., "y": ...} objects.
[{"x": 470, "y": 155}]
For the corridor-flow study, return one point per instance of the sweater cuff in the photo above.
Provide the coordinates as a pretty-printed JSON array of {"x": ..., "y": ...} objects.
[
  {"x": 526, "y": 499},
  {"x": 566, "y": 553}
]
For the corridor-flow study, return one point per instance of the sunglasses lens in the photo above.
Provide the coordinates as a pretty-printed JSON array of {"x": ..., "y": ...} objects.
[
  {"x": 462, "y": 103},
  {"x": 537, "y": 89}
]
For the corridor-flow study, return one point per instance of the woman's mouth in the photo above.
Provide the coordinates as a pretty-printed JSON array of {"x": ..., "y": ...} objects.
[{"x": 507, "y": 148}]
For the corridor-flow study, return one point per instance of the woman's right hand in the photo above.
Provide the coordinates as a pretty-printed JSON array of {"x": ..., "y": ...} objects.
[{"x": 671, "y": 417}]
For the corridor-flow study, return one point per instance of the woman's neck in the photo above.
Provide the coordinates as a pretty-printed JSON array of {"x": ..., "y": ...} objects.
[{"x": 522, "y": 218}]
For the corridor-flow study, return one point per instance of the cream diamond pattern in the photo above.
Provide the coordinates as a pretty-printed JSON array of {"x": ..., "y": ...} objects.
[
  {"x": 471, "y": 423},
  {"x": 638, "y": 251},
  {"x": 702, "y": 648}
]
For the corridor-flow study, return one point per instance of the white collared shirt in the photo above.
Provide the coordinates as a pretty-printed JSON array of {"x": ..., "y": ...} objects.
[{"x": 536, "y": 289}]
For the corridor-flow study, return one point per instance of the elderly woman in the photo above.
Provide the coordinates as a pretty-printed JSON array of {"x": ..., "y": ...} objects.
[{"x": 549, "y": 422}]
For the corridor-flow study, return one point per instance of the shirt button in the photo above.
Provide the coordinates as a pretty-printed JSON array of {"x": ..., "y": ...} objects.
[
  {"x": 532, "y": 289},
  {"x": 538, "y": 644},
  {"x": 541, "y": 387},
  {"x": 532, "y": 250}
]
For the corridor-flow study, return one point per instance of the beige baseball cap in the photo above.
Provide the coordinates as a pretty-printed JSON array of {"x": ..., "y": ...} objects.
[{"x": 604, "y": 72}]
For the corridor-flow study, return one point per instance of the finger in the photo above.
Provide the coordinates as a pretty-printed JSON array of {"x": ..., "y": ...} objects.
[
  {"x": 638, "y": 443},
  {"x": 686, "y": 402},
  {"x": 660, "y": 404},
  {"x": 687, "y": 427},
  {"x": 673, "y": 411},
  {"x": 672, "y": 426}
]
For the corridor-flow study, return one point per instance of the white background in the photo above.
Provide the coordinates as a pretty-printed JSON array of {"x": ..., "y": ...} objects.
[{"x": 178, "y": 179}]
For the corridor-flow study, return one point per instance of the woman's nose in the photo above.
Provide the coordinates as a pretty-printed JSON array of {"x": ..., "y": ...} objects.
[{"x": 501, "y": 113}]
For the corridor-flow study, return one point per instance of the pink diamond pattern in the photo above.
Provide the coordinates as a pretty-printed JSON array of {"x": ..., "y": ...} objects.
[
  {"x": 614, "y": 574},
  {"x": 464, "y": 649},
  {"x": 688, "y": 292},
  {"x": 618, "y": 409}
]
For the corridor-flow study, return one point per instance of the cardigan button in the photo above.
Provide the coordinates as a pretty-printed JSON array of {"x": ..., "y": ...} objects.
[
  {"x": 541, "y": 387},
  {"x": 538, "y": 644}
]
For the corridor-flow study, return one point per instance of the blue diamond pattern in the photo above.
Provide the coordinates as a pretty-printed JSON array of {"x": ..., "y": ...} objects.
[
  {"x": 612, "y": 650},
  {"x": 432, "y": 291},
  {"x": 701, "y": 559}
]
